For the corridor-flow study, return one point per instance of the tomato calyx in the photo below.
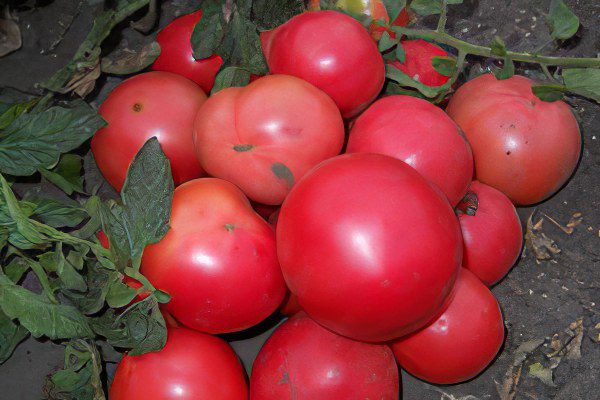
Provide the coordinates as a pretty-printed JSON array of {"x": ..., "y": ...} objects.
[{"x": 468, "y": 205}]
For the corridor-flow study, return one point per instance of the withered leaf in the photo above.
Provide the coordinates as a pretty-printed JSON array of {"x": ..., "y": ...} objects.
[
  {"x": 542, "y": 246},
  {"x": 10, "y": 36},
  {"x": 127, "y": 61},
  {"x": 83, "y": 82},
  {"x": 537, "y": 370}
]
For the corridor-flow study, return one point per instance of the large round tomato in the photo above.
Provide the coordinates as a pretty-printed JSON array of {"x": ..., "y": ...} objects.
[
  {"x": 218, "y": 261},
  {"x": 159, "y": 104},
  {"x": 192, "y": 365},
  {"x": 418, "y": 62},
  {"x": 492, "y": 237},
  {"x": 331, "y": 50},
  {"x": 177, "y": 55},
  {"x": 265, "y": 136},
  {"x": 370, "y": 247},
  {"x": 461, "y": 342},
  {"x": 420, "y": 134},
  {"x": 525, "y": 147},
  {"x": 304, "y": 361}
]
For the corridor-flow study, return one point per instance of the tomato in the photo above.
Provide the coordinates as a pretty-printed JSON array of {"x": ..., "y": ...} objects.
[
  {"x": 418, "y": 63},
  {"x": 493, "y": 236},
  {"x": 370, "y": 247},
  {"x": 267, "y": 135},
  {"x": 290, "y": 305},
  {"x": 264, "y": 210},
  {"x": 192, "y": 365},
  {"x": 420, "y": 134},
  {"x": 177, "y": 55},
  {"x": 154, "y": 104},
  {"x": 218, "y": 261},
  {"x": 525, "y": 147},
  {"x": 331, "y": 50},
  {"x": 304, "y": 361},
  {"x": 461, "y": 342}
]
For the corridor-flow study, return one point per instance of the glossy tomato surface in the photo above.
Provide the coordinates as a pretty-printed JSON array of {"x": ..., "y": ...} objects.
[
  {"x": 304, "y": 361},
  {"x": 418, "y": 63},
  {"x": 218, "y": 261},
  {"x": 177, "y": 55},
  {"x": 420, "y": 134},
  {"x": 461, "y": 342},
  {"x": 267, "y": 135},
  {"x": 192, "y": 365},
  {"x": 370, "y": 247},
  {"x": 154, "y": 104},
  {"x": 331, "y": 50},
  {"x": 525, "y": 147},
  {"x": 493, "y": 237}
]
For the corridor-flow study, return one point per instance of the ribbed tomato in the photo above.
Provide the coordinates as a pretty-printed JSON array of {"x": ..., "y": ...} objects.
[{"x": 419, "y": 62}]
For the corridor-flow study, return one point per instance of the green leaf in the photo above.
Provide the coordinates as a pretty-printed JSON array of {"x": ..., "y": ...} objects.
[
  {"x": 97, "y": 280},
  {"x": 562, "y": 22},
  {"x": 35, "y": 141},
  {"x": 11, "y": 334},
  {"x": 386, "y": 42},
  {"x": 549, "y": 92},
  {"x": 67, "y": 175},
  {"x": 127, "y": 61},
  {"x": 4, "y": 233},
  {"x": 119, "y": 294},
  {"x": 65, "y": 213},
  {"x": 544, "y": 374},
  {"x": 16, "y": 269},
  {"x": 143, "y": 218},
  {"x": 430, "y": 7},
  {"x": 392, "y": 88},
  {"x": 80, "y": 378},
  {"x": 404, "y": 80},
  {"x": 394, "y": 8},
  {"x": 445, "y": 66},
  {"x": 231, "y": 77},
  {"x": 38, "y": 316},
  {"x": 269, "y": 14},
  {"x": 583, "y": 81},
  {"x": 209, "y": 31},
  {"x": 498, "y": 47},
  {"x": 400, "y": 53},
  {"x": 140, "y": 328},
  {"x": 13, "y": 111},
  {"x": 68, "y": 276}
]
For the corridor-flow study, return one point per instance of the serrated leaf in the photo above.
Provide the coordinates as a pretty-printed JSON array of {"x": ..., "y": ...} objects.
[
  {"x": 97, "y": 280},
  {"x": 583, "y": 81},
  {"x": 231, "y": 77},
  {"x": 127, "y": 61},
  {"x": 563, "y": 23},
  {"x": 549, "y": 92},
  {"x": 269, "y": 14},
  {"x": 241, "y": 45},
  {"x": 445, "y": 66},
  {"x": 13, "y": 111},
  {"x": 404, "y": 80},
  {"x": 11, "y": 334},
  {"x": 119, "y": 294},
  {"x": 68, "y": 276},
  {"x": 394, "y": 8},
  {"x": 209, "y": 31},
  {"x": 386, "y": 42},
  {"x": 36, "y": 140},
  {"x": 498, "y": 47},
  {"x": 430, "y": 7},
  {"x": 67, "y": 174},
  {"x": 80, "y": 378},
  {"x": 38, "y": 316},
  {"x": 65, "y": 213}
]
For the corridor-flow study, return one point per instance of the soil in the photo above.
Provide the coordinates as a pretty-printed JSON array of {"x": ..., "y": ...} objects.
[{"x": 539, "y": 299}]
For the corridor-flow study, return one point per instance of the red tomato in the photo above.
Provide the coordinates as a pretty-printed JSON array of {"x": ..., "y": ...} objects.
[
  {"x": 304, "y": 361},
  {"x": 331, "y": 50},
  {"x": 290, "y": 305},
  {"x": 492, "y": 237},
  {"x": 461, "y": 342},
  {"x": 370, "y": 247},
  {"x": 218, "y": 261},
  {"x": 265, "y": 136},
  {"x": 177, "y": 55},
  {"x": 420, "y": 134},
  {"x": 157, "y": 104},
  {"x": 525, "y": 147},
  {"x": 192, "y": 365},
  {"x": 418, "y": 63},
  {"x": 264, "y": 210}
]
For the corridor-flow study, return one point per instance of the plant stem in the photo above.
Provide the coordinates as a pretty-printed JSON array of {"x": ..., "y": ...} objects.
[
  {"x": 441, "y": 27},
  {"x": 444, "y": 38}
]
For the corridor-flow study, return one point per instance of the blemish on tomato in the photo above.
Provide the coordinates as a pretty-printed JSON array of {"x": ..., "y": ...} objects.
[
  {"x": 137, "y": 107},
  {"x": 230, "y": 227},
  {"x": 243, "y": 147}
]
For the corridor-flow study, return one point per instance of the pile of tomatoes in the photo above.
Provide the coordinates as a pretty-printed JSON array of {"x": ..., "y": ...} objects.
[{"x": 381, "y": 256}]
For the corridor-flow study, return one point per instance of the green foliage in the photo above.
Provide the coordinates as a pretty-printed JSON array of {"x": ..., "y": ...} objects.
[
  {"x": 231, "y": 77},
  {"x": 430, "y": 7},
  {"x": 444, "y": 65},
  {"x": 561, "y": 20},
  {"x": 583, "y": 81}
]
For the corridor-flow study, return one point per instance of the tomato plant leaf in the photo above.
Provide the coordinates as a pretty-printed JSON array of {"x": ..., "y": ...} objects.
[
  {"x": 67, "y": 174},
  {"x": 10, "y": 112},
  {"x": 80, "y": 377},
  {"x": 231, "y": 77},
  {"x": 394, "y": 8},
  {"x": 561, "y": 20},
  {"x": 269, "y": 14},
  {"x": 11, "y": 334},
  {"x": 400, "y": 53},
  {"x": 64, "y": 213},
  {"x": 403, "y": 79},
  {"x": 549, "y": 92},
  {"x": 498, "y": 47},
  {"x": 97, "y": 280},
  {"x": 36, "y": 140},
  {"x": 583, "y": 81},
  {"x": 386, "y": 42},
  {"x": 39, "y": 316},
  {"x": 430, "y": 7},
  {"x": 507, "y": 71},
  {"x": 209, "y": 31},
  {"x": 445, "y": 66},
  {"x": 119, "y": 294},
  {"x": 127, "y": 61}
]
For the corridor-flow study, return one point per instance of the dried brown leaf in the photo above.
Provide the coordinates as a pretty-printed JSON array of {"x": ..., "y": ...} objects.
[
  {"x": 573, "y": 348},
  {"x": 84, "y": 81},
  {"x": 537, "y": 370},
  {"x": 10, "y": 36},
  {"x": 576, "y": 219},
  {"x": 541, "y": 245},
  {"x": 127, "y": 61},
  {"x": 147, "y": 22}
]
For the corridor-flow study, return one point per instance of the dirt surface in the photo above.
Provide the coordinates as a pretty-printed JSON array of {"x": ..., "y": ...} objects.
[{"x": 538, "y": 299}]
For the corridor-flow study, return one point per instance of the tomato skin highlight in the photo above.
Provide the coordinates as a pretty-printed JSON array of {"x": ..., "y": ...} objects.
[
  {"x": 493, "y": 237},
  {"x": 420, "y": 134},
  {"x": 177, "y": 55},
  {"x": 264, "y": 137},
  {"x": 304, "y": 361},
  {"x": 523, "y": 146},
  {"x": 218, "y": 261},
  {"x": 370, "y": 247},
  {"x": 418, "y": 64},
  {"x": 331, "y": 50},
  {"x": 153, "y": 104},
  {"x": 192, "y": 365},
  {"x": 461, "y": 342}
]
